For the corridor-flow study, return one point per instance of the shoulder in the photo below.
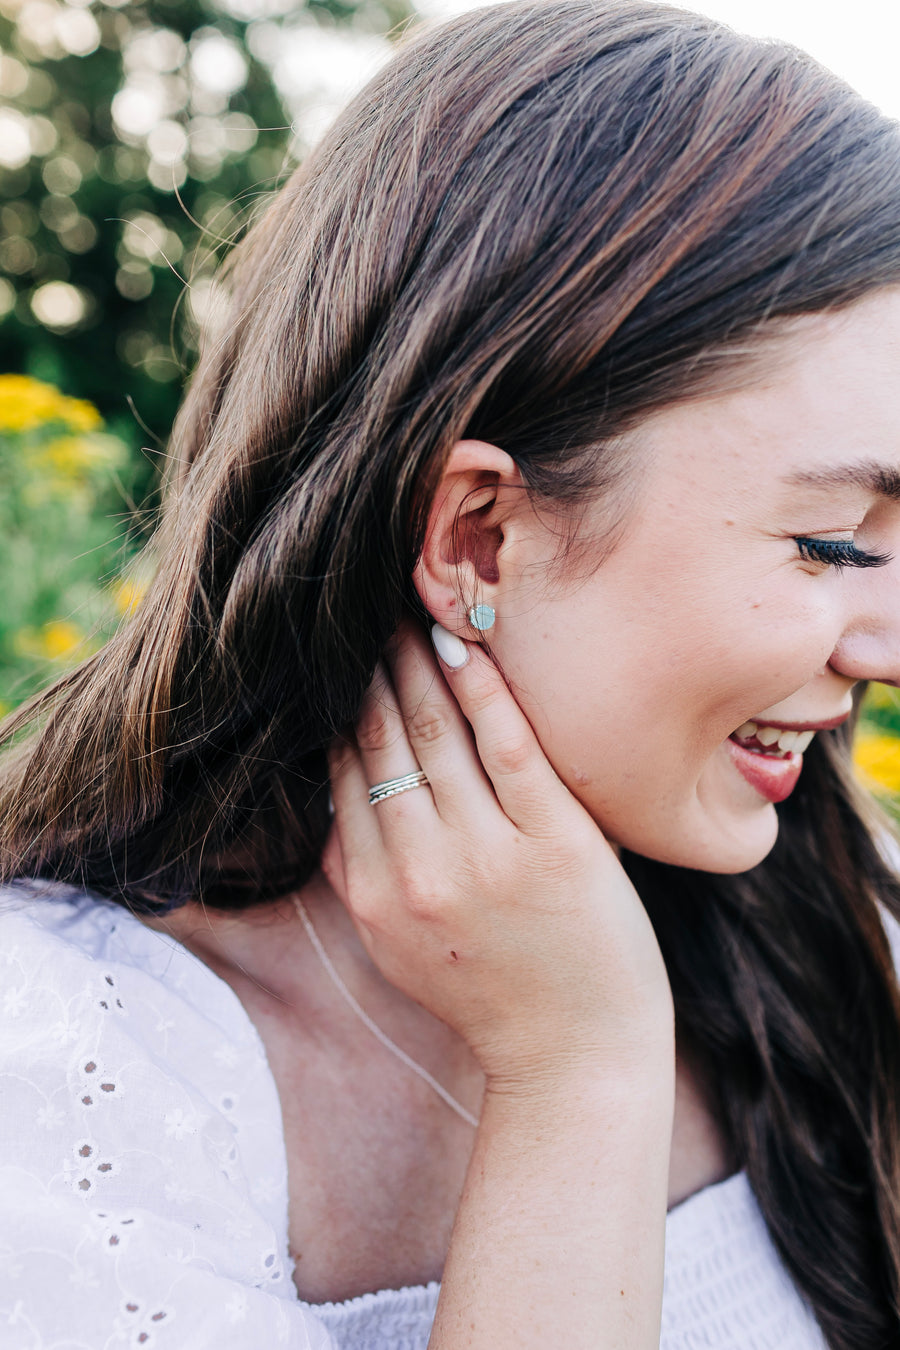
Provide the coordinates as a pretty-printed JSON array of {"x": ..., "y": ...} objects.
[
  {"x": 142, "y": 1171},
  {"x": 65, "y": 950},
  {"x": 108, "y": 1026}
]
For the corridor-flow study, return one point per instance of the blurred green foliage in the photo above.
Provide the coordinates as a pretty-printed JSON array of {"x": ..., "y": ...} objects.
[
  {"x": 135, "y": 140},
  {"x": 62, "y": 486},
  {"x": 877, "y": 746}
]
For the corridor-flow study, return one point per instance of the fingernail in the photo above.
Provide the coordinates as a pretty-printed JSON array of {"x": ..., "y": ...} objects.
[{"x": 451, "y": 649}]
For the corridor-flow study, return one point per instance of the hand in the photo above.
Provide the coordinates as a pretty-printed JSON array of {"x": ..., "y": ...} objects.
[{"x": 490, "y": 897}]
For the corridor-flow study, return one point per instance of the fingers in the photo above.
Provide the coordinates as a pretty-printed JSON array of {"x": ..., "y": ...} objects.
[
  {"x": 438, "y": 733},
  {"x": 526, "y": 785},
  {"x": 381, "y": 733},
  {"x": 384, "y": 753},
  {"x": 464, "y": 729},
  {"x": 359, "y": 835}
]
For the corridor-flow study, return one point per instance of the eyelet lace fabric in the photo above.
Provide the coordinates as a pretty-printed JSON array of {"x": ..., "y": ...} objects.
[
  {"x": 143, "y": 1181},
  {"x": 143, "y": 1178}
]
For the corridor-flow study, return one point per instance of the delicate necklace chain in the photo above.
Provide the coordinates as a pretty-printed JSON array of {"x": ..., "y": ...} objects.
[{"x": 367, "y": 1021}]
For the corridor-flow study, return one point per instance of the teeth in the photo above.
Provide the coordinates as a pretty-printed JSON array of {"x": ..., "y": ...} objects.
[{"x": 787, "y": 741}]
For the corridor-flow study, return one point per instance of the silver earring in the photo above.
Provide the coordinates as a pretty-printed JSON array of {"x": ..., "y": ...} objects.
[{"x": 482, "y": 617}]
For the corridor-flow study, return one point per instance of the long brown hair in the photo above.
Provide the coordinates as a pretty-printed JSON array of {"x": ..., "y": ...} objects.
[{"x": 539, "y": 223}]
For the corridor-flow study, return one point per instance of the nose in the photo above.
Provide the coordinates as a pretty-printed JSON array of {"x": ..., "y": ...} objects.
[{"x": 869, "y": 647}]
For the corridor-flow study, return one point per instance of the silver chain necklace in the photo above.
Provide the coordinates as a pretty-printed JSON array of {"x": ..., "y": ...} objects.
[{"x": 366, "y": 1020}]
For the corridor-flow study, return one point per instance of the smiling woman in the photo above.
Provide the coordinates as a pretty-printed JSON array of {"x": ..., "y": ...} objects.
[
  {"x": 575, "y": 341},
  {"x": 765, "y": 611}
]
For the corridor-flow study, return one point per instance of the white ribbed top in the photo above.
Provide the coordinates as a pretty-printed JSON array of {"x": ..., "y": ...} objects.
[
  {"x": 725, "y": 1288},
  {"x": 143, "y": 1174}
]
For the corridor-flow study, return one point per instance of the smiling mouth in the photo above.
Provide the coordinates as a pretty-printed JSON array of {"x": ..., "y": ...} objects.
[
  {"x": 770, "y": 758},
  {"x": 773, "y": 742}
]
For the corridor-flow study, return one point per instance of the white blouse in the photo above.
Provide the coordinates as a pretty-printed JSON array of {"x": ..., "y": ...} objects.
[{"x": 143, "y": 1177}]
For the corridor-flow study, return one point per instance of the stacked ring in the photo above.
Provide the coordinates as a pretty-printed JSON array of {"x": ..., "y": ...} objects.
[{"x": 394, "y": 786}]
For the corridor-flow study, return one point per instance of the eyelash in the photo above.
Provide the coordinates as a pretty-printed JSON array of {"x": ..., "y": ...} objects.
[{"x": 839, "y": 553}]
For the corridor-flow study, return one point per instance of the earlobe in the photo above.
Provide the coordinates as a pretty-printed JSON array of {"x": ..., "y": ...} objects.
[{"x": 458, "y": 575}]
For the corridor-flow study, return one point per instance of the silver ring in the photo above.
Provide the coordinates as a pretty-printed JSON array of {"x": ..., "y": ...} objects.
[{"x": 394, "y": 786}]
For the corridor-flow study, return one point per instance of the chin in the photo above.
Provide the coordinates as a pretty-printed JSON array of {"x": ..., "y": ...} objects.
[{"x": 725, "y": 846}]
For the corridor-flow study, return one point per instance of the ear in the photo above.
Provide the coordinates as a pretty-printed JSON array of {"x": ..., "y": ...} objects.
[{"x": 478, "y": 499}]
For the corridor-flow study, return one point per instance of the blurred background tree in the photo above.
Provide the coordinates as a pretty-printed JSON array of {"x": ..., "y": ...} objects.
[{"x": 135, "y": 140}]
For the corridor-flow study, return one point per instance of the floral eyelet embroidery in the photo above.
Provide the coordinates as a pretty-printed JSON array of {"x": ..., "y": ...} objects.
[
  {"x": 197, "y": 1127},
  {"x": 114, "y": 1231},
  {"x": 86, "y": 1169},
  {"x": 97, "y": 1083},
  {"x": 140, "y": 1324},
  {"x": 110, "y": 1001}
]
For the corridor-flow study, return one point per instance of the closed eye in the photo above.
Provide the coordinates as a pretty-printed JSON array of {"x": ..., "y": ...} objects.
[{"x": 839, "y": 553}]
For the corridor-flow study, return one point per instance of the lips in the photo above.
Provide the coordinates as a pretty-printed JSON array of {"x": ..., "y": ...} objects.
[
  {"x": 770, "y": 757},
  {"x": 774, "y": 776}
]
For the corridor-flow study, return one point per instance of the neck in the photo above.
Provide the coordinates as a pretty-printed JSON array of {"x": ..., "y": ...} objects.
[
  {"x": 265, "y": 945},
  {"x": 265, "y": 955}
]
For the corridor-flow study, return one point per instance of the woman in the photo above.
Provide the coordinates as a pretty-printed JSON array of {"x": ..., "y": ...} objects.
[{"x": 577, "y": 339}]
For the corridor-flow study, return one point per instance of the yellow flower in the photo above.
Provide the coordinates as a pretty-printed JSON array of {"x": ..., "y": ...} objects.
[
  {"x": 59, "y": 640},
  {"x": 877, "y": 758},
  {"x": 128, "y": 594},
  {"x": 78, "y": 457},
  {"x": 27, "y": 404}
]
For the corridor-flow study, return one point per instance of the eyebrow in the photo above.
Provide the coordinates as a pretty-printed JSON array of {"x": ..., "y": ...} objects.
[{"x": 881, "y": 479}]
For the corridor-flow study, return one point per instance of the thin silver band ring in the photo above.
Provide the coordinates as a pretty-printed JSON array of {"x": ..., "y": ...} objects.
[{"x": 394, "y": 786}]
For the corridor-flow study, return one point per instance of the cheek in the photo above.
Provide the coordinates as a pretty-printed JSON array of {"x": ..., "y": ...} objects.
[
  {"x": 632, "y": 686},
  {"x": 761, "y": 650}
]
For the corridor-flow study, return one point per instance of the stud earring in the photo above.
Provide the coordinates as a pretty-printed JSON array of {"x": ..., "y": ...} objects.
[{"x": 482, "y": 617}]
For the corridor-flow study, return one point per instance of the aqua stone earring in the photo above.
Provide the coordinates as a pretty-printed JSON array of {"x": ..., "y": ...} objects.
[{"x": 482, "y": 617}]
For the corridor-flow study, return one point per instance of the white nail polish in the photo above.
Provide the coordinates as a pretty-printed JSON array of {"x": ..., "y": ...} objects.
[{"x": 451, "y": 649}]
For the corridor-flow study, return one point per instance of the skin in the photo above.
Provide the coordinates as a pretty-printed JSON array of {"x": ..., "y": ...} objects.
[
  {"x": 523, "y": 972},
  {"x": 705, "y": 615}
]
